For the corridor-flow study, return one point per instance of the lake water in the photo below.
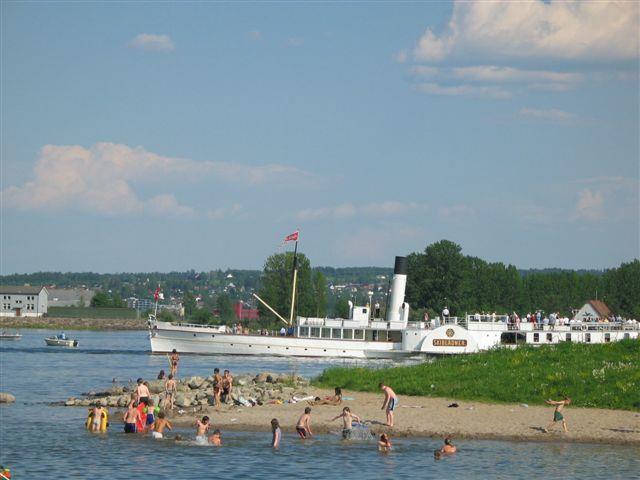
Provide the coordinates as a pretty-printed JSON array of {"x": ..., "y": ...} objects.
[{"x": 41, "y": 441}]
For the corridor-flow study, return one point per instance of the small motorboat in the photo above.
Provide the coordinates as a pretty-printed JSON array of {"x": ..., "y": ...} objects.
[
  {"x": 10, "y": 336},
  {"x": 61, "y": 341}
]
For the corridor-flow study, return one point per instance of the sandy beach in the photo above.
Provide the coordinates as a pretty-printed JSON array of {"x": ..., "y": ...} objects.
[{"x": 431, "y": 417}]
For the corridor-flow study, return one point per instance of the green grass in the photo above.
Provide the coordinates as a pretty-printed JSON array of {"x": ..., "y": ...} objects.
[
  {"x": 602, "y": 376},
  {"x": 88, "y": 312}
]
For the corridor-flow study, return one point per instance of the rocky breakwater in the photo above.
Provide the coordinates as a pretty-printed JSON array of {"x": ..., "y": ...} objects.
[{"x": 248, "y": 390}]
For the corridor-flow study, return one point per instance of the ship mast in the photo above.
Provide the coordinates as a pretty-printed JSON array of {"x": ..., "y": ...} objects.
[{"x": 295, "y": 278}]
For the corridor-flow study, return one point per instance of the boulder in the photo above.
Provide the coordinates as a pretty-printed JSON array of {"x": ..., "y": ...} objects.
[
  {"x": 6, "y": 398},
  {"x": 84, "y": 403},
  {"x": 242, "y": 381},
  {"x": 123, "y": 400},
  {"x": 201, "y": 395},
  {"x": 182, "y": 400},
  {"x": 195, "y": 382},
  {"x": 183, "y": 388},
  {"x": 155, "y": 399},
  {"x": 70, "y": 402},
  {"x": 264, "y": 377},
  {"x": 115, "y": 390},
  {"x": 156, "y": 386}
]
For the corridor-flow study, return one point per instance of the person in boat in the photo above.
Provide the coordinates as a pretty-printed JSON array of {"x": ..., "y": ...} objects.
[
  {"x": 169, "y": 392},
  {"x": 335, "y": 399},
  {"x": 160, "y": 425},
  {"x": 216, "y": 438},
  {"x": 447, "y": 449},
  {"x": 347, "y": 419},
  {"x": 202, "y": 427},
  {"x": 276, "y": 432},
  {"x": 131, "y": 417},
  {"x": 384, "y": 443},
  {"x": 62, "y": 336},
  {"x": 227, "y": 386},
  {"x": 283, "y": 332},
  {"x": 557, "y": 413},
  {"x": 217, "y": 386},
  {"x": 174, "y": 358},
  {"x": 390, "y": 402},
  {"x": 303, "y": 427}
]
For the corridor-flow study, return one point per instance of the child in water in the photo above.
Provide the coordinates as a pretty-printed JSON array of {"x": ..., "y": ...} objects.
[
  {"x": 216, "y": 438},
  {"x": 202, "y": 429},
  {"x": 160, "y": 425},
  {"x": 277, "y": 434},
  {"x": 447, "y": 449},
  {"x": 303, "y": 427},
  {"x": 151, "y": 411},
  {"x": 384, "y": 444},
  {"x": 96, "y": 418},
  {"x": 347, "y": 419}
]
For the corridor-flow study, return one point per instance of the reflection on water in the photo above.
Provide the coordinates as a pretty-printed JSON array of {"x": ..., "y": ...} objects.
[{"x": 39, "y": 441}]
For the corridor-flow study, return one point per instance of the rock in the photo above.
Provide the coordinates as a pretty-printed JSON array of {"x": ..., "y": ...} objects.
[
  {"x": 155, "y": 399},
  {"x": 287, "y": 391},
  {"x": 201, "y": 395},
  {"x": 242, "y": 381},
  {"x": 156, "y": 386},
  {"x": 6, "y": 398},
  {"x": 84, "y": 403},
  {"x": 112, "y": 401},
  {"x": 123, "y": 401},
  {"x": 115, "y": 390},
  {"x": 263, "y": 377},
  {"x": 183, "y": 388},
  {"x": 195, "y": 382},
  {"x": 182, "y": 400},
  {"x": 70, "y": 403}
]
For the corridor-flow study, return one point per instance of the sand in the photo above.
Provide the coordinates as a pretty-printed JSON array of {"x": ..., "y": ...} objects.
[{"x": 431, "y": 417}]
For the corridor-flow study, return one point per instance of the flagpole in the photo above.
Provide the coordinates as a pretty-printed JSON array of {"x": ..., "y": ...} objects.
[
  {"x": 295, "y": 277},
  {"x": 156, "y": 295}
]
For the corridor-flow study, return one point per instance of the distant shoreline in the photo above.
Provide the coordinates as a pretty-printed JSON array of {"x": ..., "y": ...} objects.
[{"x": 57, "y": 323}]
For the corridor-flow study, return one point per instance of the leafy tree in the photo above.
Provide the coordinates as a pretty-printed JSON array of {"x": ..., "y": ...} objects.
[
  {"x": 225, "y": 306},
  {"x": 202, "y": 315},
  {"x": 342, "y": 308},
  {"x": 189, "y": 304},
  {"x": 276, "y": 287},
  {"x": 320, "y": 293},
  {"x": 166, "y": 316},
  {"x": 100, "y": 300}
]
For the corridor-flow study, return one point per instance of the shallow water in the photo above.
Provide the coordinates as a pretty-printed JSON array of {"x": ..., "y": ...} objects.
[{"x": 37, "y": 440}]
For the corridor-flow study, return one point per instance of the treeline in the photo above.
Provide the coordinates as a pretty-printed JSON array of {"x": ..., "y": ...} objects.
[{"x": 442, "y": 276}]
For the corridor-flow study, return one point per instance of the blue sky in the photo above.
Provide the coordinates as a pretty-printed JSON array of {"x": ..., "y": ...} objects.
[{"x": 148, "y": 136}]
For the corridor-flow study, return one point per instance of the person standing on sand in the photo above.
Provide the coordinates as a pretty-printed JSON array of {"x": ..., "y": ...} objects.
[
  {"x": 303, "y": 427},
  {"x": 390, "y": 402},
  {"x": 557, "y": 413},
  {"x": 173, "y": 361}
]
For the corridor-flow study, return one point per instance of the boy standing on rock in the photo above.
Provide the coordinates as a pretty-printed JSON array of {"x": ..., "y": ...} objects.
[
  {"x": 227, "y": 386},
  {"x": 169, "y": 392}
]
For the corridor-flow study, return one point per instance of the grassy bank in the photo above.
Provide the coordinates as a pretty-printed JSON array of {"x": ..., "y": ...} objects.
[
  {"x": 57, "y": 323},
  {"x": 602, "y": 376},
  {"x": 90, "y": 312}
]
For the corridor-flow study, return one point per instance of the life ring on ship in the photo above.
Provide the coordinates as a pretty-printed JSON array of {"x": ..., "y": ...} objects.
[{"x": 104, "y": 422}]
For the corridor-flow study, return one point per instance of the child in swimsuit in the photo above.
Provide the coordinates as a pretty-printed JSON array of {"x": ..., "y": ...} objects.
[
  {"x": 160, "y": 425},
  {"x": 347, "y": 419},
  {"x": 96, "y": 420},
  {"x": 277, "y": 434},
  {"x": 216, "y": 438},
  {"x": 202, "y": 429},
  {"x": 557, "y": 413},
  {"x": 169, "y": 392},
  {"x": 130, "y": 418},
  {"x": 150, "y": 410},
  {"x": 384, "y": 444},
  {"x": 303, "y": 427}
]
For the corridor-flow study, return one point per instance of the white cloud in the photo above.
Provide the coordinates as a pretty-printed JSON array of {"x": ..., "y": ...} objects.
[
  {"x": 255, "y": 35},
  {"x": 590, "y": 206},
  {"x": 456, "y": 212},
  {"x": 101, "y": 179},
  {"x": 221, "y": 213},
  {"x": 348, "y": 210},
  {"x": 425, "y": 72},
  {"x": 153, "y": 43},
  {"x": 492, "y": 92},
  {"x": 535, "y": 29},
  {"x": 492, "y": 73},
  {"x": 551, "y": 114}
]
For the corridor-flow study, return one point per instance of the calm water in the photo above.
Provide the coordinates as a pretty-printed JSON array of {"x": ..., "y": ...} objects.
[{"x": 38, "y": 441}]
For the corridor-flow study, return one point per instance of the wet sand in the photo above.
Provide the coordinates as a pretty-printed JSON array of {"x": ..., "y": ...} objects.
[{"x": 431, "y": 417}]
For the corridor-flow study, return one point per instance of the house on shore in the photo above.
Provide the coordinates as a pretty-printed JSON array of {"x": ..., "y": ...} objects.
[
  {"x": 592, "y": 311},
  {"x": 25, "y": 301}
]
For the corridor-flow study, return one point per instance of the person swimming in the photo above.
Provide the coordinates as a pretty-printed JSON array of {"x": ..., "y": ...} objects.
[
  {"x": 216, "y": 438},
  {"x": 384, "y": 443},
  {"x": 447, "y": 449}
]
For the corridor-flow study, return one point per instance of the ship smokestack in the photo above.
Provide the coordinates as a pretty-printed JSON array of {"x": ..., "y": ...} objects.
[{"x": 397, "y": 311}]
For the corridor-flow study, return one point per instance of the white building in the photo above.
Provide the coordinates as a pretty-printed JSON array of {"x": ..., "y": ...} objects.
[
  {"x": 23, "y": 301},
  {"x": 592, "y": 311}
]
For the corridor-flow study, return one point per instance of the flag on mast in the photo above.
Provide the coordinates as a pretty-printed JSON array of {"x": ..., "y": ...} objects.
[
  {"x": 291, "y": 238},
  {"x": 158, "y": 294}
]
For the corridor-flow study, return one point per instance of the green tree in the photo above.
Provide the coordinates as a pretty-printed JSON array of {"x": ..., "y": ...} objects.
[
  {"x": 320, "y": 293},
  {"x": 202, "y": 315},
  {"x": 225, "y": 306},
  {"x": 166, "y": 316},
  {"x": 276, "y": 287},
  {"x": 189, "y": 304},
  {"x": 101, "y": 300},
  {"x": 342, "y": 308}
]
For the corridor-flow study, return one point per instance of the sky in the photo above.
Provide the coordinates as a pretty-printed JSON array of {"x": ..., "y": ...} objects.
[{"x": 172, "y": 136}]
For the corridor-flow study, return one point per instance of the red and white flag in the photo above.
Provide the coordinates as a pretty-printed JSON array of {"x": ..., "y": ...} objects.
[
  {"x": 291, "y": 238},
  {"x": 158, "y": 295}
]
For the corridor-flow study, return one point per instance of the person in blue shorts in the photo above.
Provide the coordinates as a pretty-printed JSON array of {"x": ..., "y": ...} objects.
[{"x": 390, "y": 402}]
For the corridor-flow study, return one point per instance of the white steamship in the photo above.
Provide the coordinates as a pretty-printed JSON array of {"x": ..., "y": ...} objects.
[{"x": 362, "y": 336}]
